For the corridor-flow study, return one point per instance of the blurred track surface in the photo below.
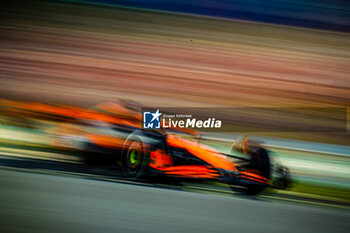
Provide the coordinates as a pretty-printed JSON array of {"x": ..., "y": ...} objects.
[{"x": 44, "y": 203}]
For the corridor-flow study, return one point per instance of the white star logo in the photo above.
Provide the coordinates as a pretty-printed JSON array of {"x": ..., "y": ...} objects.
[{"x": 155, "y": 115}]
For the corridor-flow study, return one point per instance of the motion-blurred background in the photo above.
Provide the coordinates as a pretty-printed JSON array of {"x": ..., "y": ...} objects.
[{"x": 200, "y": 53}]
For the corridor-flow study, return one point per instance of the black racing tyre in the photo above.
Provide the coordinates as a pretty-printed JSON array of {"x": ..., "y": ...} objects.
[
  {"x": 135, "y": 158},
  {"x": 259, "y": 161}
]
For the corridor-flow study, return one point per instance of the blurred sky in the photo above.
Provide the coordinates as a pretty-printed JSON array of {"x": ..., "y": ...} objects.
[
  {"x": 322, "y": 14},
  {"x": 84, "y": 54}
]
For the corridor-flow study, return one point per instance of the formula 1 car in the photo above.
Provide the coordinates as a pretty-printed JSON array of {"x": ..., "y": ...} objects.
[
  {"x": 156, "y": 154},
  {"x": 112, "y": 134}
]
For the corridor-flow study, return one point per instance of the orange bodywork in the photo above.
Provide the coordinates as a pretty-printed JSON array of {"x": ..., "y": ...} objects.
[
  {"x": 106, "y": 141},
  {"x": 252, "y": 175},
  {"x": 39, "y": 108},
  {"x": 206, "y": 154},
  {"x": 46, "y": 111},
  {"x": 160, "y": 160},
  {"x": 163, "y": 162},
  {"x": 192, "y": 171}
]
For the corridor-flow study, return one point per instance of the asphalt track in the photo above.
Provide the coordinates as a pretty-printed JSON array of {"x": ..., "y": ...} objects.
[{"x": 32, "y": 202}]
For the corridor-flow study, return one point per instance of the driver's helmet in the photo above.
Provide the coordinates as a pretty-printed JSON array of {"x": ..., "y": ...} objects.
[{"x": 244, "y": 144}]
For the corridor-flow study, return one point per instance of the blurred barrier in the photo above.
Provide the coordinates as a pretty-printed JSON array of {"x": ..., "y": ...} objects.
[{"x": 289, "y": 144}]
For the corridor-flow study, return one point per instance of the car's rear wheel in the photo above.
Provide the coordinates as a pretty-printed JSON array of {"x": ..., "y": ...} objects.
[{"x": 135, "y": 159}]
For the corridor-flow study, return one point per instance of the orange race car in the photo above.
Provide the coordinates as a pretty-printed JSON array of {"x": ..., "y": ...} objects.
[{"x": 112, "y": 134}]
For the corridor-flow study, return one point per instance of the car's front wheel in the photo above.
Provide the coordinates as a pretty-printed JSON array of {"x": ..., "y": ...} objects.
[{"x": 260, "y": 162}]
